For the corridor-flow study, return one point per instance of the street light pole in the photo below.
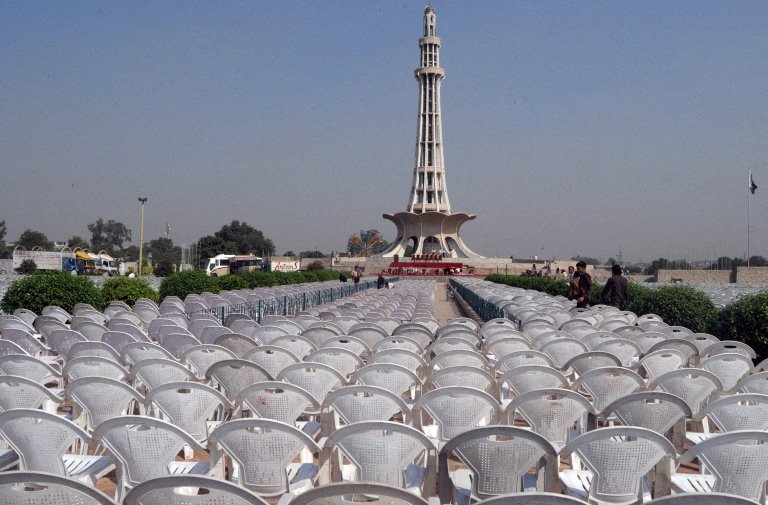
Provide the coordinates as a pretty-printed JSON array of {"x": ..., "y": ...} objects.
[{"x": 141, "y": 234}]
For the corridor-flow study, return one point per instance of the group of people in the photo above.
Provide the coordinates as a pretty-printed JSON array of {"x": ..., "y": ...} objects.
[{"x": 580, "y": 286}]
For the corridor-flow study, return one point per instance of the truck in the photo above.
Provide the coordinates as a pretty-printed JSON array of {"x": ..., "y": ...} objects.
[
  {"x": 226, "y": 264},
  {"x": 79, "y": 261}
]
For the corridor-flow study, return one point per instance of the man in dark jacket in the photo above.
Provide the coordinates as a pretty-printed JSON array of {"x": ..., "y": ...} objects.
[{"x": 617, "y": 288}]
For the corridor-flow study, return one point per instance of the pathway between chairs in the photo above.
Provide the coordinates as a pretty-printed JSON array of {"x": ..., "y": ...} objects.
[{"x": 445, "y": 308}]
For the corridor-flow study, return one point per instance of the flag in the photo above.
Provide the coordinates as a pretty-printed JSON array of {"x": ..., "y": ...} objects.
[{"x": 752, "y": 185}]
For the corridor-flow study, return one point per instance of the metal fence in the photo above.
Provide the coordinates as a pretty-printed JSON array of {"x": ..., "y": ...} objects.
[{"x": 290, "y": 305}]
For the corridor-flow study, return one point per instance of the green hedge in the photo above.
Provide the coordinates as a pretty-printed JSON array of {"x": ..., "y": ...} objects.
[
  {"x": 128, "y": 290},
  {"x": 192, "y": 281},
  {"x": 50, "y": 287},
  {"x": 677, "y": 305},
  {"x": 746, "y": 320}
]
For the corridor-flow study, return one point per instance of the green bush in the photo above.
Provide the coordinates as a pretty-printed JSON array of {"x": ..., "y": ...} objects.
[
  {"x": 315, "y": 265},
  {"x": 259, "y": 279},
  {"x": 677, "y": 306},
  {"x": 553, "y": 287},
  {"x": 128, "y": 290},
  {"x": 27, "y": 266},
  {"x": 192, "y": 281},
  {"x": 233, "y": 282},
  {"x": 746, "y": 320},
  {"x": 50, "y": 287}
]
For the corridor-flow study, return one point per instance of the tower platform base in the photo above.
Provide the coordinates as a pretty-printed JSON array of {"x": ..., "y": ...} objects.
[{"x": 429, "y": 232}]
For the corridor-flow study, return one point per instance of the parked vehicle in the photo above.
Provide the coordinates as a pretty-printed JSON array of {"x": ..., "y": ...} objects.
[{"x": 225, "y": 264}]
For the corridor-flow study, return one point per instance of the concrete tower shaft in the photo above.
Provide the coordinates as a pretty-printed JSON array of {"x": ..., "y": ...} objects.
[{"x": 429, "y": 192}]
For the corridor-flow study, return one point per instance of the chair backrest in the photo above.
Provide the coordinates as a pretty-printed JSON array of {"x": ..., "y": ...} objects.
[
  {"x": 25, "y": 340},
  {"x": 94, "y": 366},
  {"x": 503, "y": 346},
  {"x": 398, "y": 342},
  {"x": 626, "y": 350},
  {"x": 701, "y": 499},
  {"x": 201, "y": 357},
  {"x": 459, "y": 357},
  {"x": 522, "y": 358},
  {"x": 26, "y": 488},
  {"x": 317, "y": 378},
  {"x": 46, "y": 325},
  {"x": 607, "y": 384},
  {"x": 41, "y": 439},
  {"x": 523, "y": 379},
  {"x": 456, "y": 409},
  {"x": 737, "y": 460},
  {"x": 659, "y": 362},
  {"x": 188, "y": 405},
  {"x": 233, "y": 375},
  {"x": 130, "y": 329},
  {"x": 349, "y": 343},
  {"x": 403, "y": 357},
  {"x": 175, "y": 489},
  {"x": 738, "y": 412},
  {"x": 94, "y": 349},
  {"x": 154, "y": 372},
  {"x": 263, "y": 449},
  {"x": 686, "y": 347},
  {"x": 730, "y": 368},
  {"x": 272, "y": 358},
  {"x": 532, "y": 499},
  {"x": 238, "y": 343},
  {"x": 29, "y": 367},
  {"x": 101, "y": 398},
  {"x": 342, "y": 360},
  {"x": 694, "y": 385},
  {"x": 133, "y": 353},
  {"x": 298, "y": 346},
  {"x": 756, "y": 383},
  {"x": 279, "y": 401},
  {"x": 499, "y": 457},
  {"x": 144, "y": 446},
  {"x": 563, "y": 349},
  {"x": 654, "y": 410},
  {"x": 729, "y": 346},
  {"x": 381, "y": 451},
  {"x": 22, "y": 393},
  {"x": 375, "y": 494},
  {"x": 178, "y": 343},
  {"x": 552, "y": 412},
  {"x": 394, "y": 378},
  {"x": 463, "y": 376},
  {"x": 266, "y": 333},
  {"x": 354, "y": 404},
  {"x": 61, "y": 340},
  {"x": 91, "y": 330},
  {"x": 584, "y": 362},
  {"x": 370, "y": 333},
  {"x": 118, "y": 339},
  {"x": 619, "y": 458}
]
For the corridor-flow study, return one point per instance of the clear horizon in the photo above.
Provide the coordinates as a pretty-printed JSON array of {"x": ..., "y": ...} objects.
[{"x": 569, "y": 128}]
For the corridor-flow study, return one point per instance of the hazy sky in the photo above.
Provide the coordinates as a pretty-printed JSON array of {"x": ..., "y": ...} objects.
[{"x": 576, "y": 127}]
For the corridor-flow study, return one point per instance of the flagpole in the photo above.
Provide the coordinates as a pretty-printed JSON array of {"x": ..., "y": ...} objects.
[{"x": 749, "y": 191}]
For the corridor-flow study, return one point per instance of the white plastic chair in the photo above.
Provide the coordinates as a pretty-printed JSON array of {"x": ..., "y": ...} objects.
[
  {"x": 146, "y": 449},
  {"x": 46, "y": 442},
  {"x": 453, "y": 410},
  {"x": 30, "y": 488},
  {"x": 233, "y": 375},
  {"x": 96, "y": 399},
  {"x": 190, "y": 490}
]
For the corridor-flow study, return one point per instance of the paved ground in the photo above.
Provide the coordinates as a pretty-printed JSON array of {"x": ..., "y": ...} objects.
[{"x": 445, "y": 309}]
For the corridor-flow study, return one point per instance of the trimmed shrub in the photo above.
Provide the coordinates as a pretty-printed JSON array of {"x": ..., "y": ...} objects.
[
  {"x": 128, "y": 290},
  {"x": 192, "y": 281},
  {"x": 50, "y": 287},
  {"x": 27, "y": 266},
  {"x": 233, "y": 282},
  {"x": 746, "y": 320},
  {"x": 258, "y": 279},
  {"x": 315, "y": 265},
  {"x": 677, "y": 306}
]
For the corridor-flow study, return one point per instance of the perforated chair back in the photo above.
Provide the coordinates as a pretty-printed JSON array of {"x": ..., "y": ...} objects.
[{"x": 29, "y": 488}]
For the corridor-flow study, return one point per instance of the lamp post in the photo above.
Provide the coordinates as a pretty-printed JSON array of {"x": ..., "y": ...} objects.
[{"x": 141, "y": 233}]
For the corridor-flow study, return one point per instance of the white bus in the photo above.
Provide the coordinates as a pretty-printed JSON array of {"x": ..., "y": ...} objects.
[{"x": 225, "y": 264}]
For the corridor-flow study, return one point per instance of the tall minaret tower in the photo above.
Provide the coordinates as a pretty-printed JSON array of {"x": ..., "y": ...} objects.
[
  {"x": 428, "y": 191},
  {"x": 428, "y": 226}
]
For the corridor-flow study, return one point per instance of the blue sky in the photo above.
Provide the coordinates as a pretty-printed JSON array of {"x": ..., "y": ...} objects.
[{"x": 576, "y": 127}]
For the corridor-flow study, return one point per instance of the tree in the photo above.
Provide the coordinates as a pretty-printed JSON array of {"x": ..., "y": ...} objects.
[
  {"x": 77, "y": 241},
  {"x": 163, "y": 250},
  {"x": 289, "y": 253},
  {"x": 311, "y": 254},
  {"x": 235, "y": 238},
  {"x": 757, "y": 261},
  {"x": 366, "y": 243},
  {"x": 4, "y": 251},
  {"x": 586, "y": 259},
  {"x": 30, "y": 239},
  {"x": 131, "y": 253},
  {"x": 108, "y": 236}
]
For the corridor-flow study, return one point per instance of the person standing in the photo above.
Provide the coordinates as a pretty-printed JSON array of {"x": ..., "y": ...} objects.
[
  {"x": 355, "y": 275},
  {"x": 584, "y": 285},
  {"x": 617, "y": 288},
  {"x": 380, "y": 281}
]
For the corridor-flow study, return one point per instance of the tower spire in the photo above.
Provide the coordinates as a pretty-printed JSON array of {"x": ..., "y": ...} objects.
[{"x": 428, "y": 190}]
